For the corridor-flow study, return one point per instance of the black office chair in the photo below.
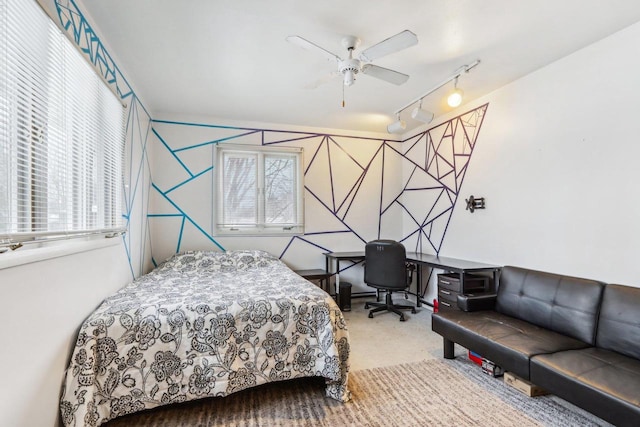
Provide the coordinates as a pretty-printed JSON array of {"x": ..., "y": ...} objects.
[{"x": 386, "y": 269}]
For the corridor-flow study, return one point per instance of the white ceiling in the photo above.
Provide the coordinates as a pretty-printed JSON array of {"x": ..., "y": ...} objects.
[{"x": 229, "y": 58}]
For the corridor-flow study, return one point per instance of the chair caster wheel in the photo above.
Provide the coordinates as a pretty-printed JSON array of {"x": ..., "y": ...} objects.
[
  {"x": 366, "y": 306},
  {"x": 402, "y": 319},
  {"x": 370, "y": 315},
  {"x": 413, "y": 311}
]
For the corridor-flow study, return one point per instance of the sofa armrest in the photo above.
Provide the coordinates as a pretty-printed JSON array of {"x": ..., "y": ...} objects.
[{"x": 476, "y": 302}]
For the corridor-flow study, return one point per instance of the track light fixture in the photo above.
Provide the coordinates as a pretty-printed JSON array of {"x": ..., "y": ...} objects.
[
  {"x": 454, "y": 100},
  {"x": 398, "y": 126},
  {"x": 421, "y": 115}
]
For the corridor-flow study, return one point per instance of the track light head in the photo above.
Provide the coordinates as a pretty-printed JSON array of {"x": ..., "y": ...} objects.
[
  {"x": 397, "y": 127},
  {"x": 421, "y": 115},
  {"x": 455, "y": 98}
]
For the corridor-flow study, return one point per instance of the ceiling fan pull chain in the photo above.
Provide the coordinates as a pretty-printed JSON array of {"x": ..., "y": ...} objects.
[{"x": 342, "y": 95}]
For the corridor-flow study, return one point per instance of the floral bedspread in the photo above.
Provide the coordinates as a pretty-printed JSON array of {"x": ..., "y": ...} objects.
[{"x": 203, "y": 324}]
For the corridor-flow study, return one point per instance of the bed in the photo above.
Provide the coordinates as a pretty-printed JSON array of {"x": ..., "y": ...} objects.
[{"x": 203, "y": 324}]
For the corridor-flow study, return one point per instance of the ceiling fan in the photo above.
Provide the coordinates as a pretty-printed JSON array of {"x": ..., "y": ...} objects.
[{"x": 350, "y": 66}]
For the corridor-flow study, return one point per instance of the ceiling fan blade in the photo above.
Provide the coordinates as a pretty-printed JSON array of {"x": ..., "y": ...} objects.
[
  {"x": 306, "y": 44},
  {"x": 385, "y": 74},
  {"x": 393, "y": 44},
  {"x": 322, "y": 80}
]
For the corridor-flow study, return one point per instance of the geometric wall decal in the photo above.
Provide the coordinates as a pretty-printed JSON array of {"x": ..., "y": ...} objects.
[
  {"x": 439, "y": 159},
  {"x": 356, "y": 189}
]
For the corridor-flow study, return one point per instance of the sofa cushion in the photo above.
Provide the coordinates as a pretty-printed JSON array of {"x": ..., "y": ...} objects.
[
  {"x": 603, "y": 382},
  {"x": 564, "y": 304},
  {"x": 619, "y": 323},
  {"x": 507, "y": 341}
]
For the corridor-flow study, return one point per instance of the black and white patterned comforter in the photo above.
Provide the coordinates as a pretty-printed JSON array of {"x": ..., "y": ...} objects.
[{"x": 203, "y": 324}]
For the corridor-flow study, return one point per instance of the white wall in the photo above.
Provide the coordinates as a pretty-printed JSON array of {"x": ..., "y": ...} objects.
[
  {"x": 558, "y": 166},
  {"x": 42, "y": 305}
]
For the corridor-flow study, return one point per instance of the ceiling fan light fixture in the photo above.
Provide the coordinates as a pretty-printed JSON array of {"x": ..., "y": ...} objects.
[
  {"x": 421, "y": 115},
  {"x": 350, "y": 66},
  {"x": 349, "y": 77}
]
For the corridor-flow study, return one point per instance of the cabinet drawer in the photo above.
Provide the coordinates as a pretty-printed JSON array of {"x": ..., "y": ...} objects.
[
  {"x": 445, "y": 293},
  {"x": 446, "y": 305},
  {"x": 447, "y": 300},
  {"x": 472, "y": 283},
  {"x": 449, "y": 281}
]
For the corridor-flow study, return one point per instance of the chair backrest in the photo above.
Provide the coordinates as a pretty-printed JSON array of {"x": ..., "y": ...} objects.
[
  {"x": 564, "y": 304},
  {"x": 619, "y": 323},
  {"x": 385, "y": 264}
]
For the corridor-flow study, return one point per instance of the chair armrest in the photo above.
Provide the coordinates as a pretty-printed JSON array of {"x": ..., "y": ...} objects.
[{"x": 476, "y": 302}]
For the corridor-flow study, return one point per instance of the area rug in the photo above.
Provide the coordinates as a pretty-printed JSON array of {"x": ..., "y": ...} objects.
[{"x": 428, "y": 393}]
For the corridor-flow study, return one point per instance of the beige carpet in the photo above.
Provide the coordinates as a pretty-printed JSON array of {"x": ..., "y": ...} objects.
[{"x": 427, "y": 393}]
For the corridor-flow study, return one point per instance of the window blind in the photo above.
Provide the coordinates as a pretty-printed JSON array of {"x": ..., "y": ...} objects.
[{"x": 62, "y": 135}]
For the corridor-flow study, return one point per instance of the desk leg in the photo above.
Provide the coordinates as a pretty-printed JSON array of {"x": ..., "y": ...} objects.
[
  {"x": 418, "y": 285},
  {"x": 337, "y": 281},
  {"x": 420, "y": 290},
  {"x": 327, "y": 265},
  {"x": 337, "y": 261}
]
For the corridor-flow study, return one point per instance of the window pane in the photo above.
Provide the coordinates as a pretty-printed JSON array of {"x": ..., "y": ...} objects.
[
  {"x": 240, "y": 207},
  {"x": 259, "y": 190},
  {"x": 280, "y": 191}
]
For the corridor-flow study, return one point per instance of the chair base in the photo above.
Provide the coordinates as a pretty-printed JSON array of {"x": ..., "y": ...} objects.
[{"x": 388, "y": 305}]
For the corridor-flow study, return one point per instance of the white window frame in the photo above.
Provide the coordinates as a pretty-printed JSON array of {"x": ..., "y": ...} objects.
[
  {"x": 259, "y": 227},
  {"x": 43, "y": 200}
]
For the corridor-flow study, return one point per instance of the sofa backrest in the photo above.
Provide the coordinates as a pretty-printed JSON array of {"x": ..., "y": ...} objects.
[
  {"x": 619, "y": 323},
  {"x": 564, "y": 304}
]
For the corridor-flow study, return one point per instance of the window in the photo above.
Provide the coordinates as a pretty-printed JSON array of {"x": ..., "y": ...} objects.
[
  {"x": 259, "y": 190},
  {"x": 62, "y": 135}
]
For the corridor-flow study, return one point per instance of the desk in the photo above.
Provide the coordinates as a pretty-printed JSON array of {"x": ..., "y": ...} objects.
[{"x": 454, "y": 265}]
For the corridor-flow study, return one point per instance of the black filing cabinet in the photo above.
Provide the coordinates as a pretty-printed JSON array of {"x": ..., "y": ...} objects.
[{"x": 450, "y": 286}]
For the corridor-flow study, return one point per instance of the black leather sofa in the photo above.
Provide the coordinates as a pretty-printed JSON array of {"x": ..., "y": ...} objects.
[{"x": 577, "y": 338}]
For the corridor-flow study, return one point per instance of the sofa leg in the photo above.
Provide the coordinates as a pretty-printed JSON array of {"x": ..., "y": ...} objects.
[{"x": 448, "y": 349}]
